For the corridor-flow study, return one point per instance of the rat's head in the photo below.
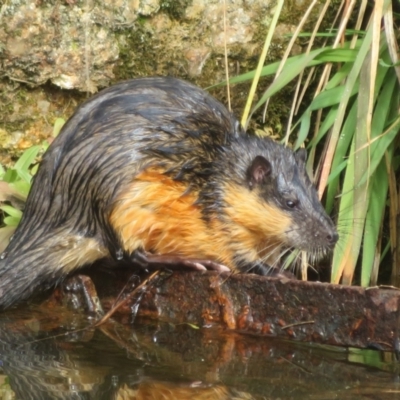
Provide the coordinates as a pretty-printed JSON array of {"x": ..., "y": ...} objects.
[
  {"x": 272, "y": 198},
  {"x": 285, "y": 183}
]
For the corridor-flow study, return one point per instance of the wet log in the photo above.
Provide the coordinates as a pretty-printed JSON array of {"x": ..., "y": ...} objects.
[{"x": 279, "y": 307}]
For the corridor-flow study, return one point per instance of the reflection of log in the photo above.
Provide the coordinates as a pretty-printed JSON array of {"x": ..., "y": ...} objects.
[
  {"x": 306, "y": 311},
  {"x": 155, "y": 360}
]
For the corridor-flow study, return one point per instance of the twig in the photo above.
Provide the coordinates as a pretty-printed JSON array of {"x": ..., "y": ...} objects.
[{"x": 125, "y": 300}]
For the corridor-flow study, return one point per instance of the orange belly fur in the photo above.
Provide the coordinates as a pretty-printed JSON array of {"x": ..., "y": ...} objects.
[{"x": 157, "y": 214}]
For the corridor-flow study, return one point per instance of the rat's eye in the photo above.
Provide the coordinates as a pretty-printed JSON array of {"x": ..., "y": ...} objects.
[{"x": 291, "y": 203}]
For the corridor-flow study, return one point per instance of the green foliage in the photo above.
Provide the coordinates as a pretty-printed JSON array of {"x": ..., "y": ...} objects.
[
  {"x": 385, "y": 361},
  {"x": 15, "y": 182},
  {"x": 354, "y": 119}
]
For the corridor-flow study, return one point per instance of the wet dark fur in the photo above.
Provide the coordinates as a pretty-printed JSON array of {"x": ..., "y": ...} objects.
[{"x": 118, "y": 133}]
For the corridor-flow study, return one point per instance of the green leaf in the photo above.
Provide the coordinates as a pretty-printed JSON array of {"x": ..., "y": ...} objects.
[
  {"x": 336, "y": 171},
  {"x": 24, "y": 175},
  {"x": 317, "y": 57},
  {"x": 11, "y": 221},
  {"x": 338, "y": 55},
  {"x": 387, "y": 65},
  {"x": 289, "y": 72},
  {"x": 58, "y": 124},
  {"x": 337, "y": 129},
  {"x": 293, "y": 69},
  {"x": 331, "y": 97},
  {"x": 345, "y": 222},
  {"x": 26, "y": 160},
  {"x": 11, "y": 211},
  {"x": 377, "y": 205},
  {"x": 305, "y": 123},
  {"x": 382, "y": 109},
  {"x": 339, "y": 77},
  {"x": 326, "y": 124},
  {"x": 10, "y": 175},
  {"x": 339, "y": 158},
  {"x": 22, "y": 187}
]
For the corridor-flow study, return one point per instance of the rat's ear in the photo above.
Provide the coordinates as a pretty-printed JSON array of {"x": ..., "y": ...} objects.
[
  {"x": 301, "y": 156},
  {"x": 258, "y": 171}
]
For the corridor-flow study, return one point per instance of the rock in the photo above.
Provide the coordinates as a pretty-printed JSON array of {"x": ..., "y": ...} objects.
[{"x": 76, "y": 44}]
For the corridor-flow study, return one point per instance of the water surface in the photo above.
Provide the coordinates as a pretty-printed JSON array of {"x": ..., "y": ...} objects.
[{"x": 54, "y": 354}]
